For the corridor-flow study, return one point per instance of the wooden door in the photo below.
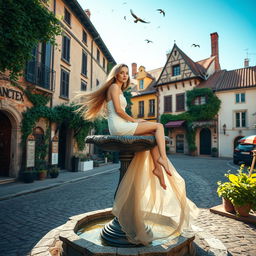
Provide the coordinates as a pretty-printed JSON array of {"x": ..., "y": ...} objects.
[{"x": 5, "y": 144}]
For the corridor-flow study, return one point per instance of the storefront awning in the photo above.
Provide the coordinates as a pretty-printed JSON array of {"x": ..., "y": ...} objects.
[{"x": 174, "y": 124}]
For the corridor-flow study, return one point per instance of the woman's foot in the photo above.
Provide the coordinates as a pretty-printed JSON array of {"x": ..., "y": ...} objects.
[
  {"x": 160, "y": 176},
  {"x": 164, "y": 163}
]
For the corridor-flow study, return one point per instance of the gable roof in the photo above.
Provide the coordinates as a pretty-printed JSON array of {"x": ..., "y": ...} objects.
[
  {"x": 229, "y": 80},
  {"x": 149, "y": 90},
  {"x": 198, "y": 68}
]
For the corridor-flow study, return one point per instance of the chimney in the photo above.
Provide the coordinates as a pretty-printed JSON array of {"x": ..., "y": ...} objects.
[
  {"x": 134, "y": 69},
  {"x": 88, "y": 13},
  {"x": 246, "y": 62},
  {"x": 215, "y": 49}
]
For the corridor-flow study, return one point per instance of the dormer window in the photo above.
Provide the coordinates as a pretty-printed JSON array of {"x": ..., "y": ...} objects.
[
  {"x": 176, "y": 70},
  {"x": 141, "y": 84}
]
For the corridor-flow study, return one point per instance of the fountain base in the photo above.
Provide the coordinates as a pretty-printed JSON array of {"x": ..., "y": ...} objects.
[{"x": 69, "y": 239}]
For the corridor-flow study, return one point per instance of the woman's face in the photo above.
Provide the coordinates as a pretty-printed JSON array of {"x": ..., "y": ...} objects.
[{"x": 123, "y": 75}]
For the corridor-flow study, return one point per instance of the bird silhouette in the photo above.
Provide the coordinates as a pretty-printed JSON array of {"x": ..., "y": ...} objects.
[
  {"x": 137, "y": 18},
  {"x": 125, "y": 17},
  {"x": 148, "y": 41},
  {"x": 161, "y": 11},
  {"x": 195, "y": 45}
]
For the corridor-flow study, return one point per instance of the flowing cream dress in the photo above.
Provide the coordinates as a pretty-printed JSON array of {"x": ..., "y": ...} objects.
[{"x": 145, "y": 210}]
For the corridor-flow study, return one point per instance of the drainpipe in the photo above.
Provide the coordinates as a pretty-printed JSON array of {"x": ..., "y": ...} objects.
[{"x": 93, "y": 40}]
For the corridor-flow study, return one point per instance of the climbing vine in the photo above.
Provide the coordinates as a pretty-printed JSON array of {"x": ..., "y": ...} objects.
[{"x": 205, "y": 111}]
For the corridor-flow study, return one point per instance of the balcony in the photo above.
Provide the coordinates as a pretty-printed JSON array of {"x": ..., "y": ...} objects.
[{"x": 39, "y": 74}]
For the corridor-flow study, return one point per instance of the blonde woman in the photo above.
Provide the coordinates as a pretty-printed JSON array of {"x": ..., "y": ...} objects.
[
  {"x": 139, "y": 199},
  {"x": 119, "y": 122}
]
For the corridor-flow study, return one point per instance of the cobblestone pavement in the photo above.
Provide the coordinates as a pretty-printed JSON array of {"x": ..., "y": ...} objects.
[{"x": 26, "y": 219}]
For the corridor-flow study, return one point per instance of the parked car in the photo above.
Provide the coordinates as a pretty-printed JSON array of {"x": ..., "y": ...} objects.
[{"x": 243, "y": 153}]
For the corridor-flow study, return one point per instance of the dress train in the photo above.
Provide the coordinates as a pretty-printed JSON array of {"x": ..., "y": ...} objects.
[{"x": 145, "y": 210}]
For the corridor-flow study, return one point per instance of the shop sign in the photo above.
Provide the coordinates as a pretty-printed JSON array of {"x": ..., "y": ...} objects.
[
  {"x": 55, "y": 146},
  {"x": 30, "y": 151},
  {"x": 11, "y": 94}
]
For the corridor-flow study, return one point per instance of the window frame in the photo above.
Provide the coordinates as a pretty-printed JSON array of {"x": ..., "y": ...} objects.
[
  {"x": 67, "y": 16},
  {"x": 152, "y": 107},
  {"x": 239, "y": 98},
  {"x": 174, "y": 71},
  {"x": 84, "y": 63},
  {"x": 64, "y": 90},
  {"x": 165, "y": 104},
  {"x": 241, "y": 121},
  {"x": 141, "y": 84},
  {"x": 83, "y": 82},
  {"x": 141, "y": 108},
  {"x": 178, "y": 109},
  {"x": 66, "y": 43},
  {"x": 84, "y": 37}
]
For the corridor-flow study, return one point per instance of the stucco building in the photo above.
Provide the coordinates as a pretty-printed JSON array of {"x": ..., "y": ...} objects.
[{"x": 79, "y": 63}]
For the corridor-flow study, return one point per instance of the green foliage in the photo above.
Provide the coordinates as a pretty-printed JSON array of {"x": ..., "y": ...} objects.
[
  {"x": 101, "y": 126},
  {"x": 128, "y": 96},
  {"x": 56, "y": 114},
  {"x": 240, "y": 189},
  {"x": 37, "y": 99},
  {"x": 24, "y": 23},
  {"x": 206, "y": 111},
  {"x": 195, "y": 113}
]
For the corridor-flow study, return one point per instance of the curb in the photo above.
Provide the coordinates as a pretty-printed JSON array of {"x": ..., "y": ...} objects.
[{"x": 25, "y": 192}]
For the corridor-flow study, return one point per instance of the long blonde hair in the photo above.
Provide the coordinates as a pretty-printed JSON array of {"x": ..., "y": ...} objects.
[{"x": 94, "y": 104}]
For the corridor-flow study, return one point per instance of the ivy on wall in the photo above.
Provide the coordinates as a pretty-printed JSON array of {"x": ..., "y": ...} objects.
[
  {"x": 57, "y": 114},
  {"x": 202, "y": 112}
]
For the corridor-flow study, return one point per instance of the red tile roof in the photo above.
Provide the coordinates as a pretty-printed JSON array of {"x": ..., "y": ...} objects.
[{"x": 233, "y": 79}]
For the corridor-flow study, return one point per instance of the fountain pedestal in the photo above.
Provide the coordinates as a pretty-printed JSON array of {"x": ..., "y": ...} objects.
[{"x": 112, "y": 233}]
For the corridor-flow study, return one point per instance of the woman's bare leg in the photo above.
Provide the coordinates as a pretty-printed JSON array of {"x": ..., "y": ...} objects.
[{"x": 158, "y": 129}]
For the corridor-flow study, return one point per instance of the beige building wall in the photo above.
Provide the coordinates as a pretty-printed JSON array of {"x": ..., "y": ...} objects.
[{"x": 227, "y": 116}]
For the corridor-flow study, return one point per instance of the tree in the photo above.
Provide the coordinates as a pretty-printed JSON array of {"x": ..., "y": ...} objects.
[{"x": 24, "y": 23}]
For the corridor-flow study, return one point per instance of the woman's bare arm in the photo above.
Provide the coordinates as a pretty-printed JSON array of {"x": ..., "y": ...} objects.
[{"x": 114, "y": 92}]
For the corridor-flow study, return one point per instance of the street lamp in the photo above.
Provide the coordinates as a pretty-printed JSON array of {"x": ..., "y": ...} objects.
[{"x": 224, "y": 126}]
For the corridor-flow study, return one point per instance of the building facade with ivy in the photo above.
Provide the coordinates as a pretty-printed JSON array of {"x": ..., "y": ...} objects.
[
  {"x": 40, "y": 102},
  {"x": 189, "y": 114}
]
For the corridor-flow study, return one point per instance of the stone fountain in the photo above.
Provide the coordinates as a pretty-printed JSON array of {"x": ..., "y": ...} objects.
[{"x": 98, "y": 232}]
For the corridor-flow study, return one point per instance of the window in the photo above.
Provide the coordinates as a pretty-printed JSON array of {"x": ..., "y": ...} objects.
[
  {"x": 84, "y": 63},
  {"x": 83, "y": 85},
  {"x": 141, "y": 109},
  {"x": 97, "y": 82},
  {"x": 84, "y": 37},
  {"x": 64, "y": 83},
  {"x": 168, "y": 103},
  {"x": 180, "y": 102},
  {"x": 151, "y": 108},
  {"x": 240, "y": 119},
  {"x": 104, "y": 63},
  {"x": 67, "y": 16},
  {"x": 98, "y": 55},
  {"x": 141, "y": 84},
  {"x": 176, "y": 70},
  {"x": 240, "y": 97},
  {"x": 66, "y": 48},
  {"x": 200, "y": 100}
]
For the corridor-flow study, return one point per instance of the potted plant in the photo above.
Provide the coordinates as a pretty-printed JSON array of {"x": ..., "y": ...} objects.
[
  {"x": 240, "y": 190},
  {"x": 54, "y": 171},
  {"x": 192, "y": 150},
  {"x": 41, "y": 169},
  {"x": 224, "y": 191},
  {"x": 28, "y": 175},
  {"x": 85, "y": 163},
  {"x": 214, "y": 152}
]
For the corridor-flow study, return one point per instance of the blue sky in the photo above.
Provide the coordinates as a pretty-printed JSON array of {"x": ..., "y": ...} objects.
[{"x": 186, "y": 22}]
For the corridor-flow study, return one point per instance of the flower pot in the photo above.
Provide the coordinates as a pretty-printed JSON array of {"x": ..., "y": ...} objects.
[
  {"x": 227, "y": 205},
  {"x": 42, "y": 175},
  {"x": 28, "y": 177},
  {"x": 85, "y": 165},
  {"x": 243, "y": 210},
  {"x": 54, "y": 174}
]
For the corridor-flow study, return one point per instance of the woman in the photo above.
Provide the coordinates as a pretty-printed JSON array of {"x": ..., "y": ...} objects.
[{"x": 139, "y": 201}]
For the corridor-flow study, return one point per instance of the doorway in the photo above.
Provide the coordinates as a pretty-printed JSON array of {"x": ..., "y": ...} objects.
[
  {"x": 5, "y": 144},
  {"x": 205, "y": 141},
  {"x": 180, "y": 143}
]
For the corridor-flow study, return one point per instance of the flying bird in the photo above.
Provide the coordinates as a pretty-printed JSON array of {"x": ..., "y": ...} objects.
[
  {"x": 125, "y": 17},
  {"x": 148, "y": 41},
  {"x": 137, "y": 18},
  {"x": 195, "y": 45},
  {"x": 161, "y": 11}
]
